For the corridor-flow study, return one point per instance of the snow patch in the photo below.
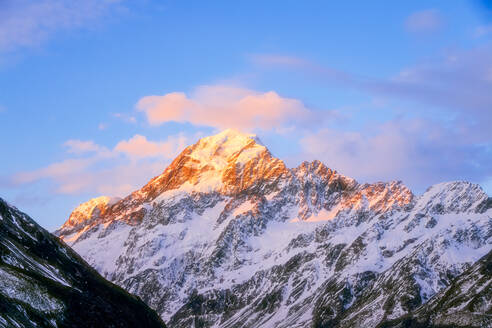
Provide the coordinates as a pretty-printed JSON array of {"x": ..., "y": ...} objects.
[{"x": 243, "y": 208}]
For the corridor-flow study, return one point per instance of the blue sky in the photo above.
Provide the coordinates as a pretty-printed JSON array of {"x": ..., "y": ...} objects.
[{"x": 97, "y": 97}]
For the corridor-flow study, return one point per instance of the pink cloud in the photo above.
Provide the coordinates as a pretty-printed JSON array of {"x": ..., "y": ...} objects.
[
  {"x": 81, "y": 147},
  {"x": 118, "y": 180},
  {"x": 360, "y": 155},
  {"x": 225, "y": 107},
  {"x": 281, "y": 60},
  {"x": 99, "y": 169},
  {"x": 56, "y": 170},
  {"x": 139, "y": 147},
  {"x": 419, "y": 152}
]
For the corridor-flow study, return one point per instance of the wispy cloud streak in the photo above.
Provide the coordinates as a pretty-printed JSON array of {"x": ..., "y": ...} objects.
[
  {"x": 26, "y": 23},
  {"x": 94, "y": 168},
  {"x": 425, "y": 21}
]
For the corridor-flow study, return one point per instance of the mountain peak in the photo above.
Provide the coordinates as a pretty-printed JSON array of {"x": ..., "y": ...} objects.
[
  {"x": 454, "y": 196},
  {"x": 229, "y": 145},
  {"x": 227, "y": 162},
  {"x": 89, "y": 210},
  {"x": 237, "y": 136}
]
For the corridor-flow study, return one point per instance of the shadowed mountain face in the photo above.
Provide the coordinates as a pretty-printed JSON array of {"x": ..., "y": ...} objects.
[
  {"x": 228, "y": 236},
  {"x": 43, "y": 283},
  {"x": 467, "y": 302}
]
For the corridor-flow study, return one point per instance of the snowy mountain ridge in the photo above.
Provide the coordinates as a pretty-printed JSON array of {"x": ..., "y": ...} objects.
[{"x": 228, "y": 236}]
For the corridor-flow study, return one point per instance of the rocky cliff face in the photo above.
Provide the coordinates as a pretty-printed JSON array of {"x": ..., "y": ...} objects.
[
  {"x": 228, "y": 236},
  {"x": 466, "y": 302},
  {"x": 43, "y": 283}
]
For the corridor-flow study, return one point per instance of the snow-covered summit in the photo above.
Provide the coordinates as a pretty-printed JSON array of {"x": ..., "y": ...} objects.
[
  {"x": 217, "y": 151},
  {"x": 213, "y": 161},
  {"x": 228, "y": 143},
  {"x": 453, "y": 197}
]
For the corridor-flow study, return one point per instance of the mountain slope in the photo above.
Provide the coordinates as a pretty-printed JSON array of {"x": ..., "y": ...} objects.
[
  {"x": 467, "y": 302},
  {"x": 228, "y": 236},
  {"x": 43, "y": 283}
]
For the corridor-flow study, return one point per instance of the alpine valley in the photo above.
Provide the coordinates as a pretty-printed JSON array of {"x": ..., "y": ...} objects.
[{"x": 228, "y": 236}]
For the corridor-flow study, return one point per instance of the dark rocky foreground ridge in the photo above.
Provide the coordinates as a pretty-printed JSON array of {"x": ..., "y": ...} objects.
[
  {"x": 229, "y": 237},
  {"x": 43, "y": 283}
]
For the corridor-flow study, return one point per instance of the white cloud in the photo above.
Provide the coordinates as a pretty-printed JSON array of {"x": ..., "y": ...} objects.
[
  {"x": 482, "y": 31},
  {"x": 26, "y": 23},
  {"x": 458, "y": 85},
  {"x": 125, "y": 118},
  {"x": 270, "y": 61},
  {"x": 81, "y": 147},
  {"x": 424, "y": 21},
  {"x": 224, "y": 107}
]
